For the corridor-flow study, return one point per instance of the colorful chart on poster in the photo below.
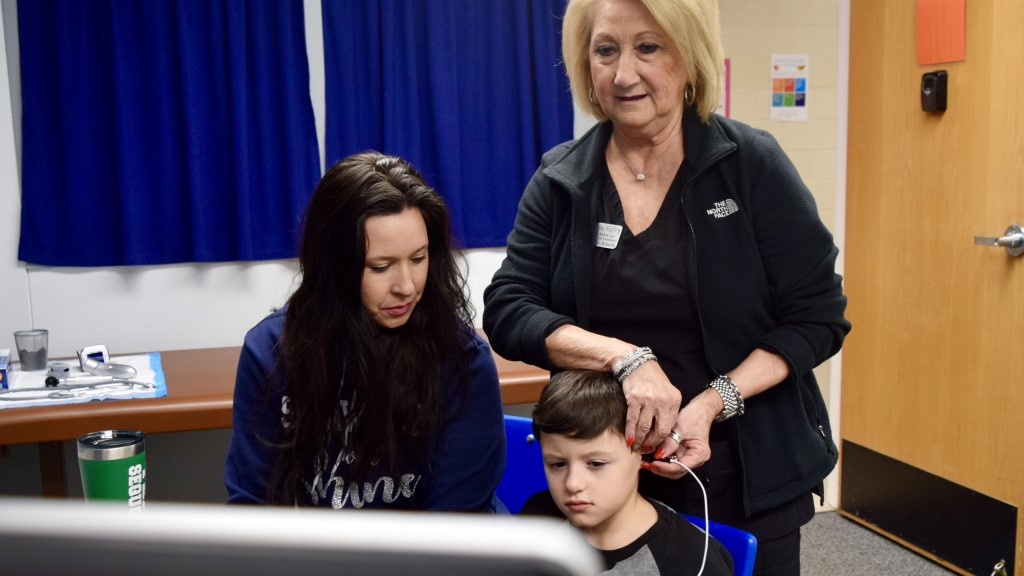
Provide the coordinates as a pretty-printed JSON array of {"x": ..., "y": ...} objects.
[{"x": 789, "y": 87}]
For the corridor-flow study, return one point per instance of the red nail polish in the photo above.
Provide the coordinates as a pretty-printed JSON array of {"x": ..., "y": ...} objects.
[
  {"x": 659, "y": 454},
  {"x": 647, "y": 449},
  {"x": 629, "y": 441}
]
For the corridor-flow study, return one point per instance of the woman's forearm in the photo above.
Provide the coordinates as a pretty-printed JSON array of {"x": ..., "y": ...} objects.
[
  {"x": 756, "y": 373},
  {"x": 573, "y": 347}
]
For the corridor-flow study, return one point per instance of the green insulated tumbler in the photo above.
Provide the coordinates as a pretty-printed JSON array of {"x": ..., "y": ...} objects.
[{"x": 113, "y": 465}]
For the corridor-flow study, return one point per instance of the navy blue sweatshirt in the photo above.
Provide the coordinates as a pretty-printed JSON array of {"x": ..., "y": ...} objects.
[{"x": 460, "y": 472}]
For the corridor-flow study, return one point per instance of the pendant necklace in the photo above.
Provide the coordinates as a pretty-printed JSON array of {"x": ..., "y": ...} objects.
[{"x": 641, "y": 174}]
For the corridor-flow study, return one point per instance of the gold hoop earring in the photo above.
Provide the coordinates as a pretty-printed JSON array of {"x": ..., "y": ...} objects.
[
  {"x": 590, "y": 94},
  {"x": 689, "y": 94}
]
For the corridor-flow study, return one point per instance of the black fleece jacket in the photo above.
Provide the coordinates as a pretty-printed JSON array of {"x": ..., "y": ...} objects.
[{"x": 762, "y": 274}]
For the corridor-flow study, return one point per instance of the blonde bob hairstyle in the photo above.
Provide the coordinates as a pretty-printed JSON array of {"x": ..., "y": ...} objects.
[{"x": 692, "y": 25}]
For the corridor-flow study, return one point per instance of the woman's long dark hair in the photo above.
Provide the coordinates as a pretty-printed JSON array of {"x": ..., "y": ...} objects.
[{"x": 330, "y": 342}]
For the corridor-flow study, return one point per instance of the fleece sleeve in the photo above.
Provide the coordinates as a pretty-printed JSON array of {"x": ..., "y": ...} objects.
[
  {"x": 469, "y": 458},
  {"x": 799, "y": 258},
  {"x": 518, "y": 303},
  {"x": 256, "y": 415}
]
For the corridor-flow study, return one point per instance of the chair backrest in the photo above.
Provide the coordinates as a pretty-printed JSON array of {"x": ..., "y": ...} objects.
[
  {"x": 524, "y": 465},
  {"x": 524, "y": 477},
  {"x": 742, "y": 545}
]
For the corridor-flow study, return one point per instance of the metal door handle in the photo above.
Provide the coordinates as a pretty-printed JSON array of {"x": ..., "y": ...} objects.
[{"x": 1012, "y": 240}]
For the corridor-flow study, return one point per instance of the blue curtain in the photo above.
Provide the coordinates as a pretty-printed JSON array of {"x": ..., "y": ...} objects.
[
  {"x": 163, "y": 131},
  {"x": 472, "y": 92}
]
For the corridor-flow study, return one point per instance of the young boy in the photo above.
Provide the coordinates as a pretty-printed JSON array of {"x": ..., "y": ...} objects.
[{"x": 593, "y": 479}]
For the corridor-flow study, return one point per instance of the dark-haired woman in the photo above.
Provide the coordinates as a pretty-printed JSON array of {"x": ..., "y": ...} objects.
[{"x": 370, "y": 388}]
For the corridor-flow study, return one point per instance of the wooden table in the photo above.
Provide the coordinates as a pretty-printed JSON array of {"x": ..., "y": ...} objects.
[{"x": 200, "y": 387}]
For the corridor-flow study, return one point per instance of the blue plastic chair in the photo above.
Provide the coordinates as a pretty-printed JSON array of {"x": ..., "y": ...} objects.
[
  {"x": 742, "y": 545},
  {"x": 524, "y": 465},
  {"x": 524, "y": 477}
]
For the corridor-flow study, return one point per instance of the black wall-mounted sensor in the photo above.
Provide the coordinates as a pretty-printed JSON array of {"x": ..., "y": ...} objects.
[{"x": 933, "y": 91}]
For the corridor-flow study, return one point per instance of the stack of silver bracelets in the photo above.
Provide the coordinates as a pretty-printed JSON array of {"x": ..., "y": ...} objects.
[
  {"x": 731, "y": 399},
  {"x": 630, "y": 362}
]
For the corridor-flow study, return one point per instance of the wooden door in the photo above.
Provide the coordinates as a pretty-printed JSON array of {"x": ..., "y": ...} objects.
[{"x": 933, "y": 371}]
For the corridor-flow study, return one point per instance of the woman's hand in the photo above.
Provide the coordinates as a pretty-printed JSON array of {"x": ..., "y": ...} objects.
[
  {"x": 758, "y": 372},
  {"x": 653, "y": 405},
  {"x": 653, "y": 402},
  {"x": 694, "y": 427}
]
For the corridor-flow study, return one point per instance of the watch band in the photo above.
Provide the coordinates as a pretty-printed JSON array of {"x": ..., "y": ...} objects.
[{"x": 730, "y": 394}]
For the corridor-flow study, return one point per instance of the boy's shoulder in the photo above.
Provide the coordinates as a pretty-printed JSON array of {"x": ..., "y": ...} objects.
[
  {"x": 678, "y": 546},
  {"x": 672, "y": 546}
]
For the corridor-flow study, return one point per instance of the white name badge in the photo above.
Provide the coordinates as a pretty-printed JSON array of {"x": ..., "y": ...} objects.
[{"x": 608, "y": 235}]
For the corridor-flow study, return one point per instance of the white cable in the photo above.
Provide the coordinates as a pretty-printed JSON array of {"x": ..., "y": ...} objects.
[{"x": 707, "y": 529}]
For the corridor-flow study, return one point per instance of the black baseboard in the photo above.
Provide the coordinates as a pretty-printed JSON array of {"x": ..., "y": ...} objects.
[{"x": 959, "y": 525}]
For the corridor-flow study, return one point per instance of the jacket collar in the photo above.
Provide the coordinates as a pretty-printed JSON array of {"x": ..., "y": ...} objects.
[
  {"x": 582, "y": 160},
  {"x": 704, "y": 144}
]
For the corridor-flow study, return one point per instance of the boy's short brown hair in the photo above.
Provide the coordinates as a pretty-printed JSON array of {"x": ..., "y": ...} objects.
[{"x": 580, "y": 404}]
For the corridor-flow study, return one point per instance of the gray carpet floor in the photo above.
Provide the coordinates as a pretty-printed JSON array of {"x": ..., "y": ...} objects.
[{"x": 831, "y": 545}]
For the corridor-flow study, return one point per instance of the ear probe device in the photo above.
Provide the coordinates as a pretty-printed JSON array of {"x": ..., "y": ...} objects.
[
  {"x": 111, "y": 370},
  {"x": 96, "y": 361}
]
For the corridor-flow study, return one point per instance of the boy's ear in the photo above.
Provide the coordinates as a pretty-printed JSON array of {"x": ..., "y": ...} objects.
[{"x": 638, "y": 461}]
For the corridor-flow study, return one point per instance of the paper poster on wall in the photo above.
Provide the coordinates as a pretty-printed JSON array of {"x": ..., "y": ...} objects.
[
  {"x": 789, "y": 87},
  {"x": 723, "y": 102}
]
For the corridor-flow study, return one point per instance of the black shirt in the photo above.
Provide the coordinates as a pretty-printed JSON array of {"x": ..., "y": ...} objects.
[
  {"x": 672, "y": 546},
  {"x": 642, "y": 293}
]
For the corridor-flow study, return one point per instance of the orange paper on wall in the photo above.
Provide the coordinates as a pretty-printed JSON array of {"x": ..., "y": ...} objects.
[{"x": 941, "y": 31}]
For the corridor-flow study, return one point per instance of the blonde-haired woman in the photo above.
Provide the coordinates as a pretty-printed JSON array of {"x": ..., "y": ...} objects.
[{"x": 681, "y": 251}]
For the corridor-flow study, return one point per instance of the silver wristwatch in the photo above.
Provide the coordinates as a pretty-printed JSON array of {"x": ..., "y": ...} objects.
[{"x": 730, "y": 394}]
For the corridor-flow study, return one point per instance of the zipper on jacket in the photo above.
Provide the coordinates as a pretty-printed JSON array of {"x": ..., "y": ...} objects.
[
  {"x": 821, "y": 429},
  {"x": 693, "y": 248},
  {"x": 687, "y": 189},
  {"x": 817, "y": 417}
]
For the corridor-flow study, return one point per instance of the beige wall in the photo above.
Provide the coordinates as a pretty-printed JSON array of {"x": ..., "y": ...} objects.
[{"x": 752, "y": 30}]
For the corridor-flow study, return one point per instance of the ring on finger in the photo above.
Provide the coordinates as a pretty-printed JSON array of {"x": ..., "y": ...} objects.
[{"x": 676, "y": 436}]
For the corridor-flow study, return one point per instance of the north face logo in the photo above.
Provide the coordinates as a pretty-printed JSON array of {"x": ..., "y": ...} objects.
[{"x": 724, "y": 208}]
